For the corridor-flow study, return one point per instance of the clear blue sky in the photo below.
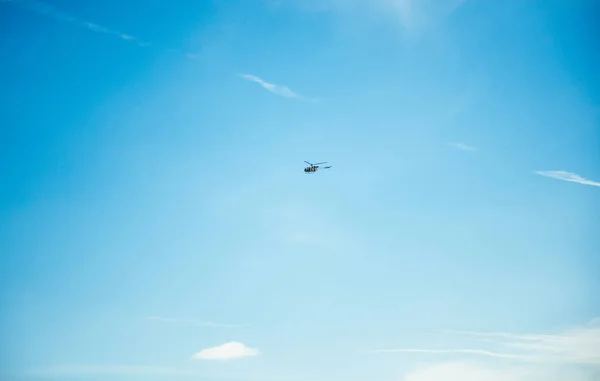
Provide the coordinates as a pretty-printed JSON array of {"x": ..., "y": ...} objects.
[{"x": 147, "y": 186}]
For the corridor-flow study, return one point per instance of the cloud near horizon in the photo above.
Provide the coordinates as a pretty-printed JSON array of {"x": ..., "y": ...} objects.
[
  {"x": 579, "y": 345},
  {"x": 568, "y": 176},
  {"x": 574, "y": 354},
  {"x": 478, "y": 352},
  {"x": 227, "y": 351},
  {"x": 471, "y": 371}
]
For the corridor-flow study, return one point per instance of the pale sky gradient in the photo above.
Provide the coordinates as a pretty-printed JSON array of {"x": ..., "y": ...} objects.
[{"x": 156, "y": 223}]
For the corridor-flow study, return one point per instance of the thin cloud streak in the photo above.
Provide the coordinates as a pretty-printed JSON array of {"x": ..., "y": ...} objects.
[
  {"x": 56, "y": 14},
  {"x": 478, "y": 352},
  {"x": 568, "y": 176},
  {"x": 281, "y": 90},
  {"x": 462, "y": 146},
  {"x": 198, "y": 323},
  {"x": 580, "y": 345},
  {"x": 50, "y": 11},
  {"x": 504, "y": 335}
]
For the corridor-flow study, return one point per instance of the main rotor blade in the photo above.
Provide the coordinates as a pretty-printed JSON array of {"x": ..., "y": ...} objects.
[
  {"x": 307, "y": 162},
  {"x": 320, "y": 163}
]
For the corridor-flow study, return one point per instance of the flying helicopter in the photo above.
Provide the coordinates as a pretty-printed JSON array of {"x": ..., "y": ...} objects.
[{"x": 313, "y": 167}]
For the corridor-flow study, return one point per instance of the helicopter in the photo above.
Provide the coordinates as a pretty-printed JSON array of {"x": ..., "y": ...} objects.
[{"x": 313, "y": 167}]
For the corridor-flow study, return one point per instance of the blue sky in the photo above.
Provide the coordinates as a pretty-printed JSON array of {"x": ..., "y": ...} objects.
[{"x": 156, "y": 223}]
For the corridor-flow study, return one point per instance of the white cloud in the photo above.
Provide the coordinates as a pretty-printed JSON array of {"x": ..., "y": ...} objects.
[
  {"x": 463, "y": 146},
  {"x": 227, "y": 351},
  {"x": 198, "y": 323},
  {"x": 280, "y": 90},
  {"x": 568, "y": 176},
  {"x": 50, "y": 11}
]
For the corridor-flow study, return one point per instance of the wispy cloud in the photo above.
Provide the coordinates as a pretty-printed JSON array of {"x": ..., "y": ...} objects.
[
  {"x": 227, "y": 351},
  {"x": 193, "y": 322},
  {"x": 281, "y": 90},
  {"x": 579, "y": 345},
  {"x": 462, "y": 146},
  {"x": 568, "y": 176},
  {"x": 478, "y": 352},
  {"x": 573, "y": 355},
  {"x": 51, "y": 11}
]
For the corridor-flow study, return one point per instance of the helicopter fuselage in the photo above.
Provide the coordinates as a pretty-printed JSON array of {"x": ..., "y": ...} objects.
[{"x": 314, "y": 167}]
